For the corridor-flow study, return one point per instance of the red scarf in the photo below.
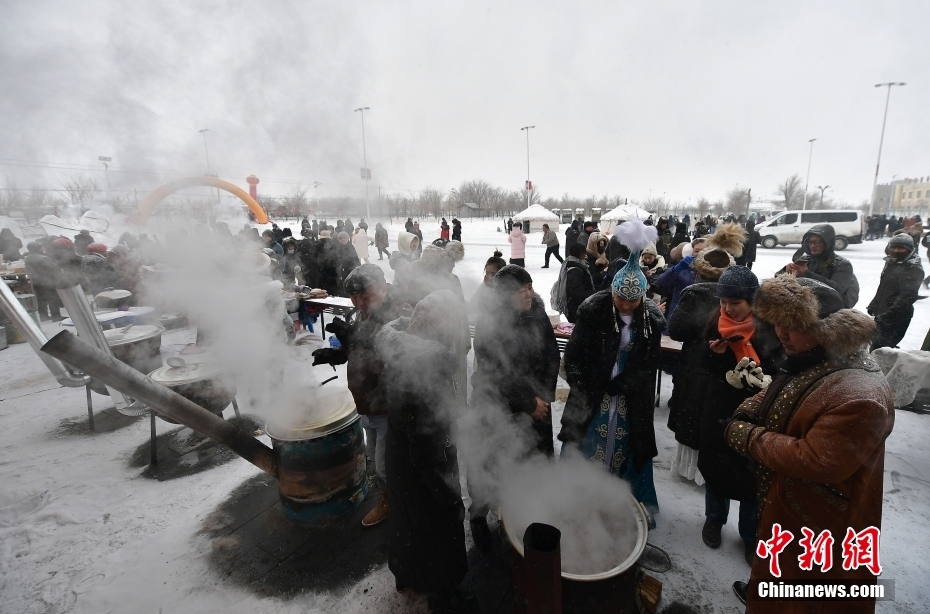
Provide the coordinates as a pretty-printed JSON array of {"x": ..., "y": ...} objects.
[{"x": 747, "y": 328}]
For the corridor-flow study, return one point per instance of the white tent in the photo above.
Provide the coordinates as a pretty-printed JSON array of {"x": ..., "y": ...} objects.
[
  {"x": 534, "y": 216},
  {"x": 622, "y": 213}
]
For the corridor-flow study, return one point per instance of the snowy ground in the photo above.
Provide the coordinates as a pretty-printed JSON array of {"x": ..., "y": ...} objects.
[{"x": 81, "y": 531}]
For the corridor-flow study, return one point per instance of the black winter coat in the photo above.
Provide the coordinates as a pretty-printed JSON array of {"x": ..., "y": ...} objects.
[
  {"x": 728, "y": 473},
  {"x": 897, "y": 290},
  {"x": 589, "y": 359},
  {"x": 518, "y": 360},
  {"x": 828, "y": 268},
  {"x": 42, "y": 270},
  {"x": 698, "y": 302},
  {"x": 579, "y": 285},
  {"x": 426, "y": 535},
  {"x": 571, "y": 236},
  {"x": 326, "y": 262}
]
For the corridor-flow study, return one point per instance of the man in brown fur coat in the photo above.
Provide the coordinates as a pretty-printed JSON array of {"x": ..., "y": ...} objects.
[{"x": 817, "y": 434}]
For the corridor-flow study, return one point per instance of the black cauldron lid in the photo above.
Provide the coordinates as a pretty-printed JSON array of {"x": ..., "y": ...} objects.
[{"x": 187, "y": 374}]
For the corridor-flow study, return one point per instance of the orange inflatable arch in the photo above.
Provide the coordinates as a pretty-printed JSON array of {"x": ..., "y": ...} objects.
[{"x": 152, "y": 200}]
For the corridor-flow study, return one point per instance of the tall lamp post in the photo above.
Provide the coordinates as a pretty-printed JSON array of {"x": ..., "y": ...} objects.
[
  {"x": 808, "y": 180},
  {"x": 207, "y": 153},
  {"x": 366, "y": 174},
  {"x": 822, "y": 188},
  {"x": 106, "y": 168},
  {"x": 316, "y": 186},
  {"x": 529, "y": 184},
  {"x": 881, "y": 140}
]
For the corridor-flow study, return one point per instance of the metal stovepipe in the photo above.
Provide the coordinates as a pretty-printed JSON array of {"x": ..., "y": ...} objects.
[
  {"x": 82, "y": 314},
  {"x": 36, "y": 338},
  {"x": 104, "y": 367}
]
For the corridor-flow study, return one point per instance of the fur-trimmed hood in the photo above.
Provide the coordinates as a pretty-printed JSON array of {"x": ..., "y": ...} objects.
[
  {"x": 729, "y": 237},
  {"x": 805, "y": 304},
  {"x": 708, "y": 271}
]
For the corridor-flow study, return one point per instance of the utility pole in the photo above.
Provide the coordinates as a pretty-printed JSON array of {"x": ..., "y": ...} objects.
[
  {"x": 366, "y": 174},
  {"x": 881, "y": 140},
  {"x": 529, "y": 184},
  {"x": 207, "y": 152},
  {"x": 106, "y": 169},
  {"x": 807, "y": 181}
]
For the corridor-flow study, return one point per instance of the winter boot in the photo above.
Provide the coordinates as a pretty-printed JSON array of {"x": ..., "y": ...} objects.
[
  {"x": 378, "y": 513},
  {"x": 741, "y": 589},
  {"x": 711, "y": 533}
]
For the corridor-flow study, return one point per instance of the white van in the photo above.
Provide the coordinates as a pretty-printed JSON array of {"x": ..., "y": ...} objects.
[{"x": 789, "y": 227}]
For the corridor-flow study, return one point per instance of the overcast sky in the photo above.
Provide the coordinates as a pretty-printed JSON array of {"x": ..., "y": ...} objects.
[{"x": 677, "y": 98}]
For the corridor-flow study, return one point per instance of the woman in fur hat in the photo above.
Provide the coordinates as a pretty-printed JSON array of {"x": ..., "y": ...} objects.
[
  {"x": 817, "y": 435},
  {"x": 610, "y": 363},
  {"x": 740, "y": 356}
]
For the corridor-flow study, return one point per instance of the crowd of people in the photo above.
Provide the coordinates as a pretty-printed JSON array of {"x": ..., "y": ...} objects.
[
  {"x": 775, "y": 405},
  {"x": 623, "y": 294}
]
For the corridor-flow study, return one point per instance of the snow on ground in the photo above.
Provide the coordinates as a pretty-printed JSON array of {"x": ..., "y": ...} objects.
[{"x": 82, "y": 531}]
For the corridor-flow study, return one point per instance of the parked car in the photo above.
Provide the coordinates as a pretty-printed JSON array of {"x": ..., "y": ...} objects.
[{"x": 788, "y": 227}]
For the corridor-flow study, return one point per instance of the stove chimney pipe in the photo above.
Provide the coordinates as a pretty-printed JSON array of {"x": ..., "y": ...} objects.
[{"x": 104, "y": 367}]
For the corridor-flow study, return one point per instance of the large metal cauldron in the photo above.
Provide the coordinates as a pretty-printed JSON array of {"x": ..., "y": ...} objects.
[
  {"x": 199, "y": 382},
  {"x": 321, "y": 466},
  {"x": 139, "y": 346},
  {"x": 612, "y": 591}
]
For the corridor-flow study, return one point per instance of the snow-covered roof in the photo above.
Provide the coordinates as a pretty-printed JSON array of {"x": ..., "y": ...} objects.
[
  {"x": 626, "y": 212},
  {"x": 536, "y": 212}
]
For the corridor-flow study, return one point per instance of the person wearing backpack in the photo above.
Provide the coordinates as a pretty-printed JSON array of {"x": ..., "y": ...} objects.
[{"x": 574, "y": 284}]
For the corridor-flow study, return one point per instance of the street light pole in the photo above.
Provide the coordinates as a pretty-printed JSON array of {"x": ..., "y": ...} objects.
[
  {"x": 823, "y": 188},
  {"x": 365, "y": 161},
  {"x": 105, "y": 160},
  {"x": 527, "y": 128},
  {"x": 881, "y": 140},
  {"x": 807, "y": 181},
  {"x": 316, "y": 186},
  {"x": 205, "y": 151}
]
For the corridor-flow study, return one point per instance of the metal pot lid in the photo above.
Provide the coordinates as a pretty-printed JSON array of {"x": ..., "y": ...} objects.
[
  {"x": 187, "y": 374},
  {"x": 132, "y": 333},
  {"x": 325, "y": 414},
  {"x": 114, "y": 295}
]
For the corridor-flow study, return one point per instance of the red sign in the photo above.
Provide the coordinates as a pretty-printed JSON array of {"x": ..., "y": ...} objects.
[
  {"x": 366, "y": 173},
  {"x": 529, "y": 184}
]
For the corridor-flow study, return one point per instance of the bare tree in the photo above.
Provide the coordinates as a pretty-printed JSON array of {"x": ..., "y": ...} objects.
[
  {"x": 479, "y": 192},
  {"x": 81, "y": 190},
  {"x": 719, "y": 208},
  {"x": 737, "y": 201},
  {"x": 703, "y": 207},
  {"x": 790, "y": 193},
  {"x": 431, "y": 201}
]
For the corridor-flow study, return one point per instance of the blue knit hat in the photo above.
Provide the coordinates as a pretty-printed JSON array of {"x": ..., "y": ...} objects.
[
  {"x": 738, "y": 282},
  {"x": 629, "y": 283}
]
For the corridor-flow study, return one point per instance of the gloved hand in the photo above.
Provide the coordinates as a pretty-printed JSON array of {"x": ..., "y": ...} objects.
[
  {"x": 754, "y": 379},
  {"x": 684, "y": 263},
  {"x": 343, "y": 331},
  {"x": 329, "y": 356},
  {"x": 734, "y": 377}
]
